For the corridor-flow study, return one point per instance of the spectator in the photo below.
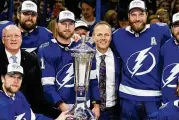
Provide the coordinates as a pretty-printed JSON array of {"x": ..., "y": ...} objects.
[
  {"x": 111, "y": 19},
  {"x": 163, "y": 15},
  {"x": 122, "y": 18},
  {"x": 81, "y": 28},
  {"x": 88, "y": 13},
  {"x": 153, "y": 19}
]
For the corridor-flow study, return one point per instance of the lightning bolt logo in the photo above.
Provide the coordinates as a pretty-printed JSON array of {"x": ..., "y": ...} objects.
[
  {"x": 68, "y": 77},
  {"x": 140, "y": 58},
  {"x": 173, "y": 74},
  {"x": 20, "y": 117}
]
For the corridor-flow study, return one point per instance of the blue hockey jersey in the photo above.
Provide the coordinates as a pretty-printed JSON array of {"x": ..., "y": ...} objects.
[
  {"x": 169, "y": 111},
  {"x": 58, "y": 73},
  {"x": 170, "y": 65},
  {"x": 17, "y": 108},
  {"x": 140, "y": 58},
  {"x": 31, "y": 41}
]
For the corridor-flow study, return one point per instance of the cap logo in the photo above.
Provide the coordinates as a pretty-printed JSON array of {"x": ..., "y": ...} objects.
[
  {"x": 67, "y": 14},
  {"x": 29, "y": 5},
  {"x": 136, "y": 3},
  {"x": 15, "y": 66}
]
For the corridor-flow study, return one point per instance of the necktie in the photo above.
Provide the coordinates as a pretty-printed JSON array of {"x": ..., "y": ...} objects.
[
  {"x": 14, "y": 58},
  {"x": 102, "y": 82}
]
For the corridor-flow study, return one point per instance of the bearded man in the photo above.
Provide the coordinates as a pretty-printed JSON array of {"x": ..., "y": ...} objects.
[
  {"x": 33, "y": 36},
  {"x": 57, "y": 67},
  {"x": 138, "y": 45}
]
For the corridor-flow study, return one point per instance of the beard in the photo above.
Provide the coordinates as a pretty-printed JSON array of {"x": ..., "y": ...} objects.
[
  {"x": 27, "y": 27},
  {"x": 11, "y": 90},
  {"x": 65, "y": 36},
  {"x": 138, "y": 28}
]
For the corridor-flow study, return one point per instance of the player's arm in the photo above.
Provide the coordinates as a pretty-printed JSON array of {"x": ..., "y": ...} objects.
[{"x": 48, "y": 77}]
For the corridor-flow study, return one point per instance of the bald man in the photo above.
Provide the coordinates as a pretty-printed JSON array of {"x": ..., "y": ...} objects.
[{"x": 31, "y": 84}]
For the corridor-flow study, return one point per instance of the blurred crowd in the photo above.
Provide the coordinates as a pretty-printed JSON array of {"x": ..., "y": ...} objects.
[{"x": 112, "y": 11}]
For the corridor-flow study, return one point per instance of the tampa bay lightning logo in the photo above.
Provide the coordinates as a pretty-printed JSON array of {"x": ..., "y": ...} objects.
[
  {"x": 170, "y": 73},
  {"x": 137, "y": 60},
  {"x": 65, "y": 75},
  {"x": 20, "y": 117}
]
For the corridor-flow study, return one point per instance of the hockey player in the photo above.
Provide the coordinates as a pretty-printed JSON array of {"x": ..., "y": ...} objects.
[
  {"x": 13, "y": 104},
  {"x": 33, "y": 35},
  {"x": 138, "y": 46},
  {"x": 170, "y": 63},
  {"x": 57, "y": 67}
]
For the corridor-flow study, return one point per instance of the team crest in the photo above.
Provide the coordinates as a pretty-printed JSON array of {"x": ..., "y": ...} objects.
[
  {"x": 170, "y": 73},
  {"x": 136, "y": 62}
]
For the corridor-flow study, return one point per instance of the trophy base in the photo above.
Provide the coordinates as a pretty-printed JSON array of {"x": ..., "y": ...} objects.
[{"x": 81, "y": 114}]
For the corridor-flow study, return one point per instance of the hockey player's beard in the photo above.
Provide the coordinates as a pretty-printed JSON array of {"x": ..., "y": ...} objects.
[
  {"x": 65, "y": 36},
  {"x": 135, "y": 28},
  {"x": 27, "y": 27},
  {"x": 11, "y": 90}
]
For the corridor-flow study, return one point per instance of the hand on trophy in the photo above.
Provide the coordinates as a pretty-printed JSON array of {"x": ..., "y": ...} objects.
[
  {"x": 64, "y": 116},
  {"x": 96, "y": 110},
  {"x": 64, "y": 107}
]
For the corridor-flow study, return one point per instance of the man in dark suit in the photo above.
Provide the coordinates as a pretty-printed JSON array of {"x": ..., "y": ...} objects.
[
  {"x": 31, "y": 85},
  {"x": 108, "y": 71}
]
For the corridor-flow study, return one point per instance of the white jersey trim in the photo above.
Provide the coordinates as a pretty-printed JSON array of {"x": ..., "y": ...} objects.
[
  {"x": 32, "y": 115},
  {"x": 138, "y": 92},
  {"x": 48, "y": 80}
]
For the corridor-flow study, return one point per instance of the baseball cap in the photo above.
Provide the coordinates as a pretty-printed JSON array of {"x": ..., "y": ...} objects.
[
  {"x": 175, "y": 18},
  {"x": 137, "y": 4},
  {"x": 65, "y": 15},
  {"x": 81, "y": 24},
  {"x": 13, "y": 68},
  {"x": 28, "y": 6}
]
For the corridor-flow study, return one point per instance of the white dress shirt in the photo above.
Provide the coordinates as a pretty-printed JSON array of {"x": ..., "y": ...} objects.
[
  {"x": 110, "y": 76},
  {"x": 18, "y": 55}
]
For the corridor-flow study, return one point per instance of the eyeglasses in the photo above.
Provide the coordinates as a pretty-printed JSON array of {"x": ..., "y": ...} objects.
[
  {"x": 11, "y": 36},
  {"x": 33, "y": 14}
]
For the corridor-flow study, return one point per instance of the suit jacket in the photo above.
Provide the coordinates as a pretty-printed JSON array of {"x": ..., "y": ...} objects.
[{"x": 31, "y": 84}]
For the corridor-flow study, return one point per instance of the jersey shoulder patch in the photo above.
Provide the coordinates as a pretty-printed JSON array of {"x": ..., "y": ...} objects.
[
  {"x": 161, "y": 24},
  {"x": 44, "y": 45}
]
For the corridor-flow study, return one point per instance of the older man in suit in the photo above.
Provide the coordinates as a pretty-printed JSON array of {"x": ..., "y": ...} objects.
[
  {"x": 108, "y": 67},
  {"x": 31, "y": 85}
]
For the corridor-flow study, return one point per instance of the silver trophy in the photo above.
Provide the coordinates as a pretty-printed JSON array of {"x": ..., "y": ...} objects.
[{"x": 82, "y": 55}]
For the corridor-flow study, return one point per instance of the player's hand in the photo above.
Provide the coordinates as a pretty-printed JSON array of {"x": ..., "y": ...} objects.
[
  {"x": 76, "y": 37},
  {"x": 96, "y": 110},
  {"x": 64, "y": 107},
  {"x": 64, "y": 116}
]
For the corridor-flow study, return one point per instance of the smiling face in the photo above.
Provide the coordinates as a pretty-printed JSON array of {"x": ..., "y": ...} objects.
[
  {"x": 137, "y": 19},
  {"x": 175, "y": 31},
  {"x": 12, "y": 38},
  {"x": 65, "y": 29},
  {"x": 27, "y": 20},
  {"x": 102, "y": 37}
]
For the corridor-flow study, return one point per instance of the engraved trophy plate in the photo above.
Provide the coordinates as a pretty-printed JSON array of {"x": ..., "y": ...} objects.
[{"x": 82, "y": 56}]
